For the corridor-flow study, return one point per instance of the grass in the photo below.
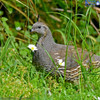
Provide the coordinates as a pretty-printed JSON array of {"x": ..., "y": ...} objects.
[{"x": 19, "y": 78}]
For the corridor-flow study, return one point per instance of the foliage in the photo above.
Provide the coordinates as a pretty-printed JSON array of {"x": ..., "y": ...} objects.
[{"x": 70, "y": 22}]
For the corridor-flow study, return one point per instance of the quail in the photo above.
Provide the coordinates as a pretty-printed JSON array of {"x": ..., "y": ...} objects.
[{"x": 49, "y": 54}]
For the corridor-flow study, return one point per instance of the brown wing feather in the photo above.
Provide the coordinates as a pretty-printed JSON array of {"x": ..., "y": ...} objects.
[{"x": 73, "y": 69}]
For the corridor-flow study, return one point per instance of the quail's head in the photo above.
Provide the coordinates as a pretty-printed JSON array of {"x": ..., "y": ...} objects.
[{"x": 40, "y": 28}]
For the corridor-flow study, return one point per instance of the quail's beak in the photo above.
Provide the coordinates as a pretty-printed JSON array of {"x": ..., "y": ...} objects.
[{"x": 32, "y": 30}]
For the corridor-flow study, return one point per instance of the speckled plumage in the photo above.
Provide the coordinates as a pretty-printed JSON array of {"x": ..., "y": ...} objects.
[{"x": 58, "y": 51}]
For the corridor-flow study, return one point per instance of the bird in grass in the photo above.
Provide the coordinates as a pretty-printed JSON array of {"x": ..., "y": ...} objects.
[{"x": 52, "y": 57}]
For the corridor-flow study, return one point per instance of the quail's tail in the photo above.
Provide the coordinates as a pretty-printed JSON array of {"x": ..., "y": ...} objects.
[{"x": 95, "y": 61}]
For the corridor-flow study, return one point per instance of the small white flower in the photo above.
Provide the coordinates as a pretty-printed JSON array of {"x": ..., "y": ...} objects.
[
  {"x": 98, "y": 98},
  {"x": 49, "y": 93},
  {"x": 97, "y": 3},
  {"x": 18, "y": 28},
  {"x": 60, "y": 62},
  {"x": 32, "y": 47}
]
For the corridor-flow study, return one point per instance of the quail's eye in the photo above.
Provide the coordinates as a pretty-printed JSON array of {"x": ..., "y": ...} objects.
[{"x": 39, "y": 26}]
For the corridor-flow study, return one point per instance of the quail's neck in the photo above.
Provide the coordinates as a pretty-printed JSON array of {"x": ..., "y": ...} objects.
[{"x": 47, "y": 41}]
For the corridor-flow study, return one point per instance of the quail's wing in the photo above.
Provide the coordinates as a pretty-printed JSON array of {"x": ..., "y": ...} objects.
[{"x": 73, "y": 69}]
